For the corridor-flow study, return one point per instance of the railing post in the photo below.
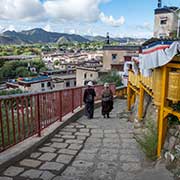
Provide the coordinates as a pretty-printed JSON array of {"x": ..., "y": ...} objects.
[
  {"x": 60, "y": 106},
  {"x": 81, "y": 100},
  {"x": 72, "y": 100},
  {"x": 162, "y": 126},
  {"x": 141, "y": 103},
  {"x": 38, "y": 117},
  {"x": 1, "y": 126},
  {"x": 129, "y": 97}
]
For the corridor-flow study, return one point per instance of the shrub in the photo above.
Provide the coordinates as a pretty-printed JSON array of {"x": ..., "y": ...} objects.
[
  {"x": 148, "y": 140},
  {"x": 112, "y": 77}
]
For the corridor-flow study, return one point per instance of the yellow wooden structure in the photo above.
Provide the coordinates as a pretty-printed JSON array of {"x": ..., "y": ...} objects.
[{"x": 164, "y": 87}]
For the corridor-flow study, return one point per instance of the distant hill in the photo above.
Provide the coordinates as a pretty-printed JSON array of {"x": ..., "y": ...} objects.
[
  {"x": 120, "y": 40},
  {"x": 39, "y": 35}
]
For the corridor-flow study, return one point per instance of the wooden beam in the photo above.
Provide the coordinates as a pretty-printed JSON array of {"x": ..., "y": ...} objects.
[
  {"x": 129, "y": 97},
  {"x": 173, "y": 65},
  {"x": 147, "y": 90},
  {"x": 162, "y": 125},
  {"x": 141, "y": 102},
  {"x": 171, "y": 111},
  {"x": 136, "y": 90}
]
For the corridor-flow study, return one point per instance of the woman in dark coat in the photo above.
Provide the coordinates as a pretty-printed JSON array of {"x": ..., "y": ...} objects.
[
  {"x": 88, "y": 99},
  {"x": 107, "y": 101}
]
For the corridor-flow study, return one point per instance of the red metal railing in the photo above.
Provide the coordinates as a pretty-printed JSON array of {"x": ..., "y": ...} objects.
[{"x": 25, "y": 115}]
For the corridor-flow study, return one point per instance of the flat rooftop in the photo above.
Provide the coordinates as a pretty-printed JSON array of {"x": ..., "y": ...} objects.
[
  {"x": 128, "y": 48},
  {"x": 32, "y": 80},
  {"x": 64, "y": 77}
]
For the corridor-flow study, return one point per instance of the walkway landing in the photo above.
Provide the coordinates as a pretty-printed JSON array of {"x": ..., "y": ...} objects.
[{"x": 97, "y": 149}]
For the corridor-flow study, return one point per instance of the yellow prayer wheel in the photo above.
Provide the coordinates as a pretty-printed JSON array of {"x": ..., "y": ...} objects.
[
  {"x": 157, "y": 85},
  {"x": 174, "y": 87}
]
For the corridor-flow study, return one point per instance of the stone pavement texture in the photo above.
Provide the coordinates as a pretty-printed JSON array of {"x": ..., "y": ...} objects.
[{"x": 97, "y": 149}]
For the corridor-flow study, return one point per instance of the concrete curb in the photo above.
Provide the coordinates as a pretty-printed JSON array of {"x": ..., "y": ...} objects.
[{"x": 26, "y": 147}]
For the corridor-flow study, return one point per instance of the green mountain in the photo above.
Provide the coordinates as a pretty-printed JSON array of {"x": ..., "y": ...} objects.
[
  {"x": 41, "y": 36},
  {"x": 120, "y": 40},
  {"x": 37, "y": 36}
]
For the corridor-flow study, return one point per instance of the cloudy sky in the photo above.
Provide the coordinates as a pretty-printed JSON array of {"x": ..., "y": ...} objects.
[{"x": 91, "y": 17}]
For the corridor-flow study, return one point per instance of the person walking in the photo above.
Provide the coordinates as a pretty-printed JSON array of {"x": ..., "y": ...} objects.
[
  {"x": 88, "y": 99},
  {"x": 107, "y": 101}
]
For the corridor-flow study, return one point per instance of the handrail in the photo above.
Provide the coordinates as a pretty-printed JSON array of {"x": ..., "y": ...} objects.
[{"x": 26, "y": 115}]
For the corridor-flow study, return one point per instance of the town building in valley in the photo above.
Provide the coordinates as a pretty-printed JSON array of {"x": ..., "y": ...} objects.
[
  {"x": 115, "y": 56},
  {"x": 84, "y": 75}
]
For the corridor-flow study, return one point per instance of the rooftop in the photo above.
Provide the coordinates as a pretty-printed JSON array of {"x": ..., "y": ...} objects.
[
  {"x": 128, "y": 48},
  {"x": 89, "y": 68},
  {"x": 64, "y": 77},
  {"x": 30, "y": 80},
  {"x": 165, "y": 9},
  {"x": 156, "y": 40}
]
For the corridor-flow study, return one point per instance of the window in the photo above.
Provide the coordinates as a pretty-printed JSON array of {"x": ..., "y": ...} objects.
[
  {"x": 42, "y": 85},
  {"x": 163, "y": 21},
  {"x": 91, "y": 75},
  {"x": 74, "y": 83},
  {"x": 48, "y": 84},
  {"x": 114, "y": 56},
  {"x": 67, "y": 84},
  {"x": 85, "y": 75}
]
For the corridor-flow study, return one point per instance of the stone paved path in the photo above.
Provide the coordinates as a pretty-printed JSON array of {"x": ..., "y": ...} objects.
[{"x": 97, "y": 149}]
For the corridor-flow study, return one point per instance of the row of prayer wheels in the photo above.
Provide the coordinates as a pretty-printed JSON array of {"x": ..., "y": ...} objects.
[
  {"x": 173, "y": 91},
  {"x": 154, "y": 83}
]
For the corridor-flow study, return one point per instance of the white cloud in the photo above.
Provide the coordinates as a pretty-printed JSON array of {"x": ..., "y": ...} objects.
[
  {"x": 48, "y": 28},
  {"x": 78, "y": 10},
  {"x": 29, "y": 10},
  {"x": 109, "y": 20},
  {"x": 7, "y": 27},
  {"x": 2, "y": 29},
  {"x": 58, "y": 10},
  {"x": 145, "y": 26},
  {"x": 11, "y": 28},
  {"x": 72, "y": 31}
]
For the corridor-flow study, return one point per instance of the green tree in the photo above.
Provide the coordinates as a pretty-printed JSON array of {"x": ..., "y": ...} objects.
[
  {"x": 38, "y": 64},
  {"x": 17, "y": 51},
  {"x": 56, "y": 62},
  {"x": 7, "y": 70},
  {"x": 111, "y": 77},
  {"x": 22, "y": 71}
]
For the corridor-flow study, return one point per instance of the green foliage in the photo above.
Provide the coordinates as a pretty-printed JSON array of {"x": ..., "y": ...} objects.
[
  {"x": 56, "y": 62},
  {"x": 10, "y": 92},
  {"x": 22, "y": 71},
  {"x": 148, "y": 140},
  {"x": 11, "y": 50},
  {"x": 14, "y": 69},
  {"x": 38, "y": 64},
  {"x": 111, "y": 77}
]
